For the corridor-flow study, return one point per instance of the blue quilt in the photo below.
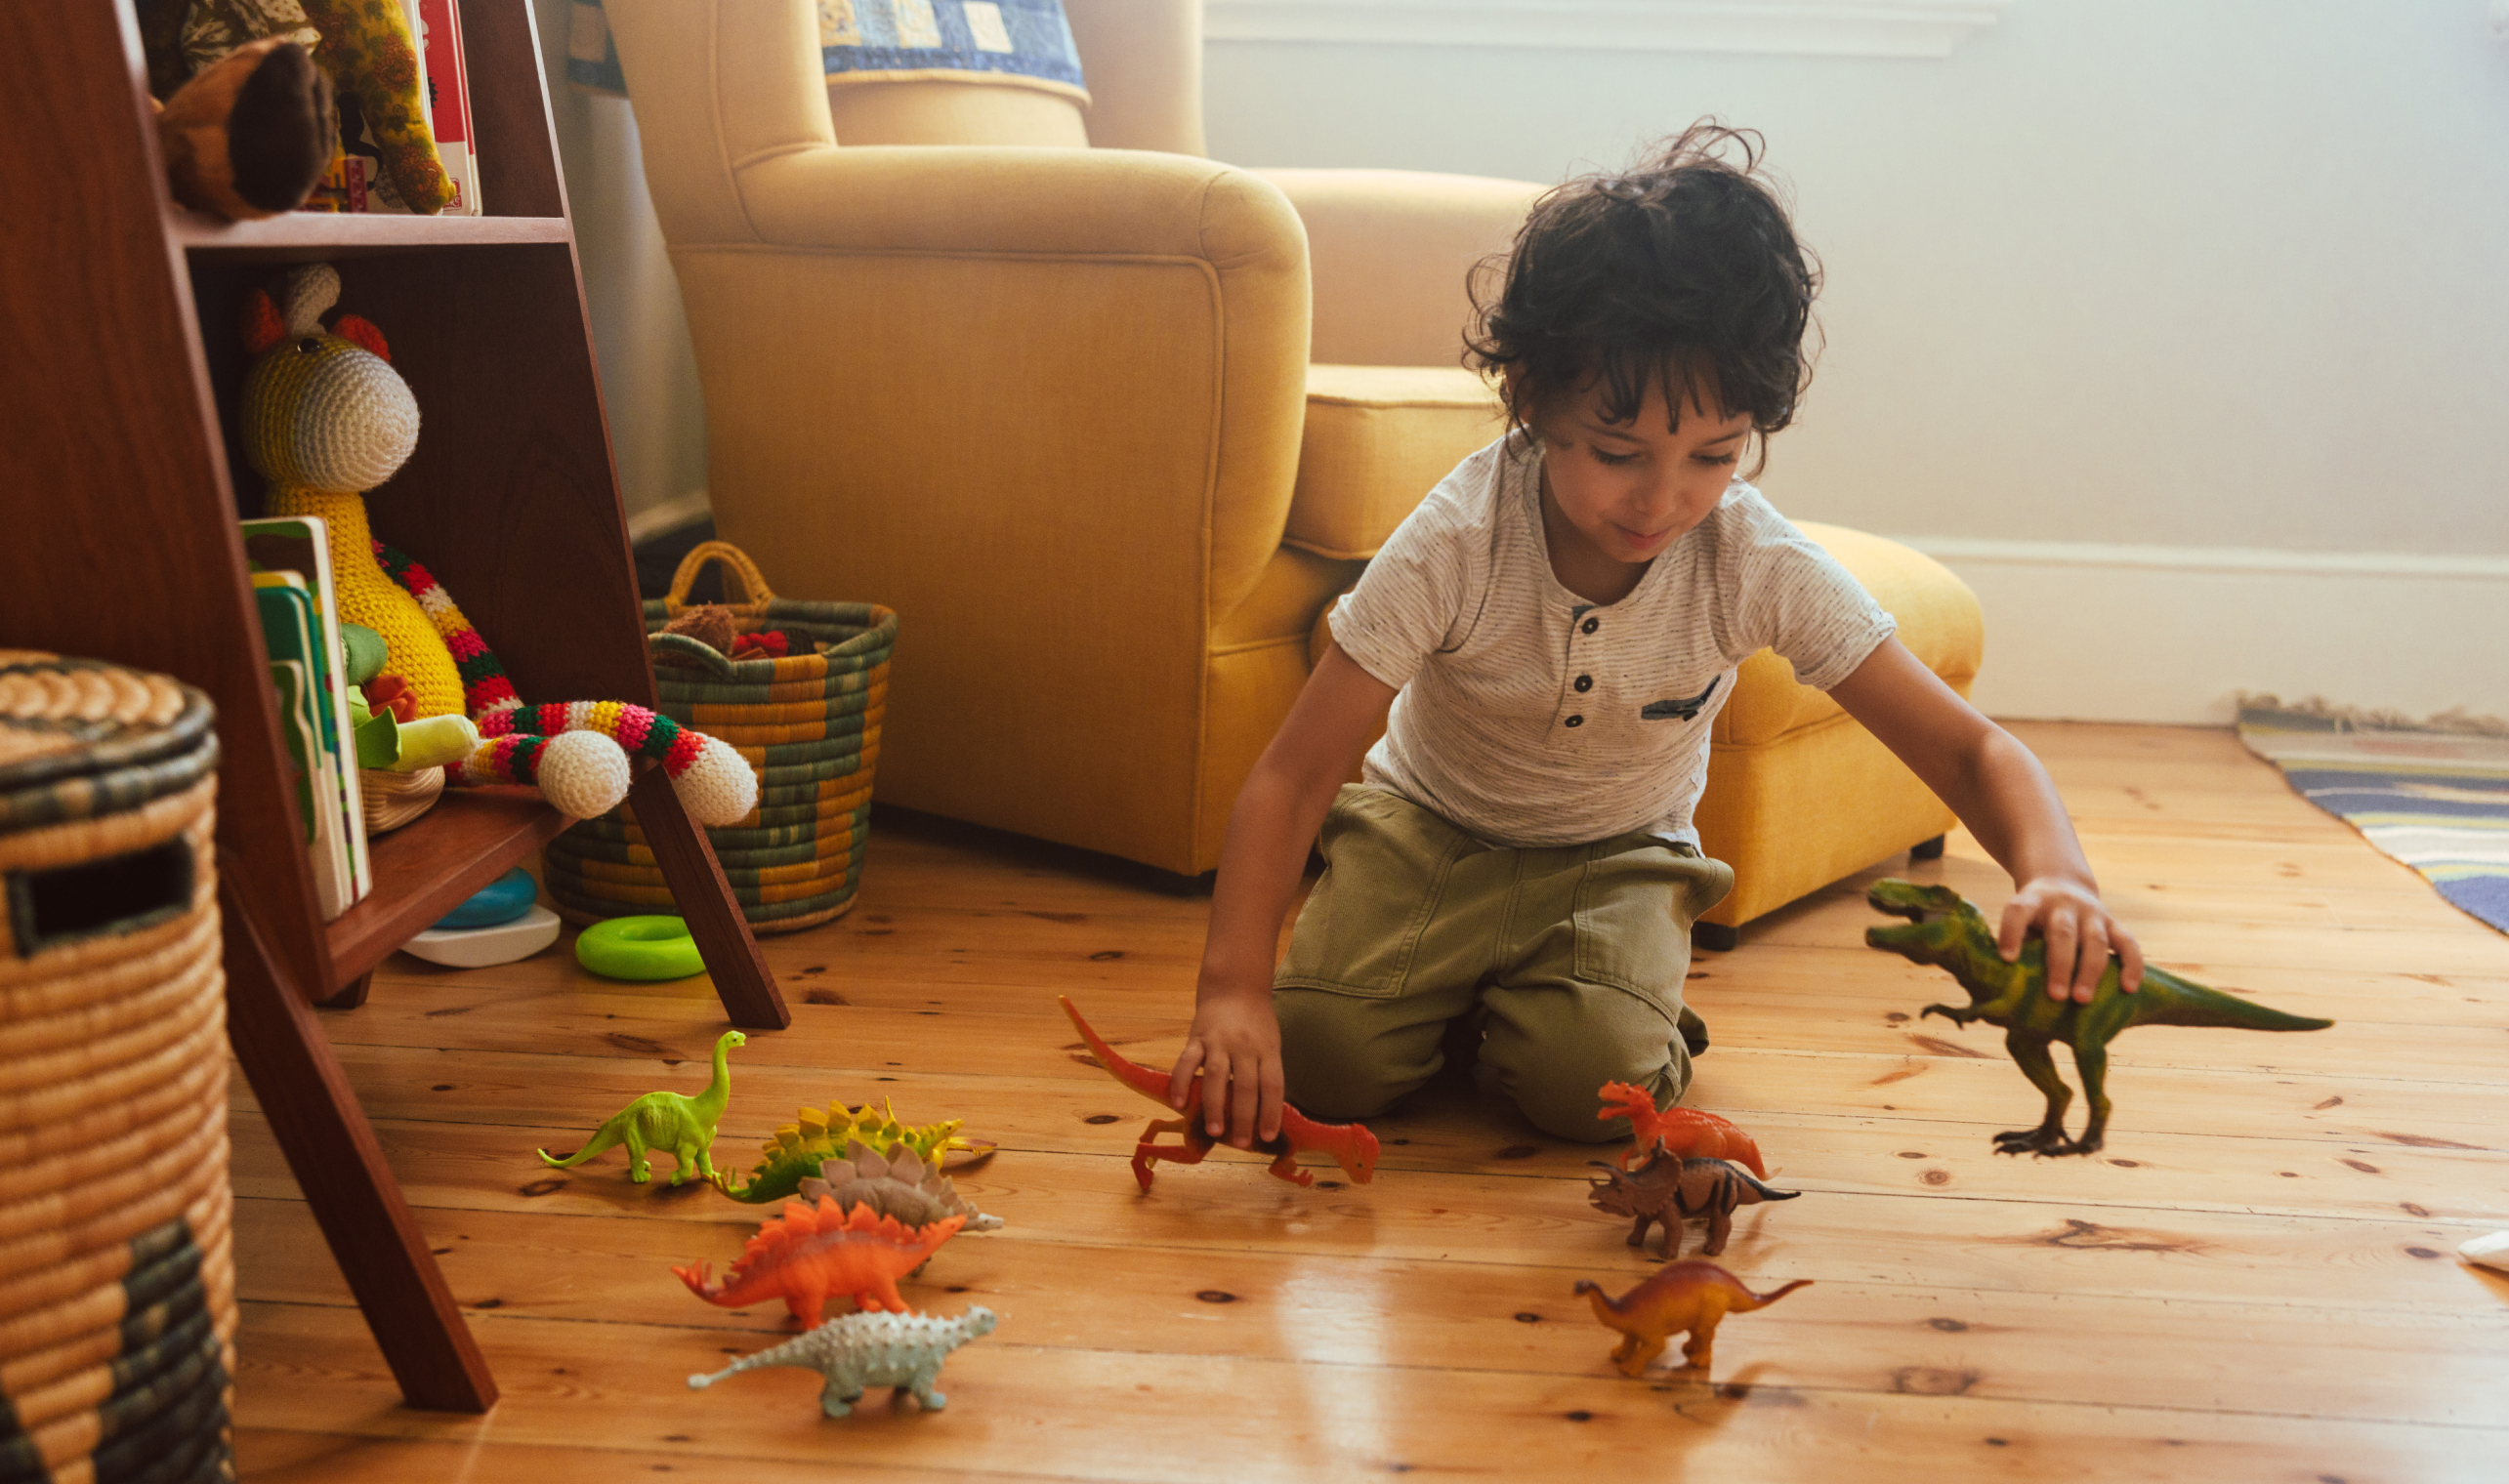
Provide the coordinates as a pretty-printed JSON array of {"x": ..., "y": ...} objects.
[{"x": 864, "y": 39}]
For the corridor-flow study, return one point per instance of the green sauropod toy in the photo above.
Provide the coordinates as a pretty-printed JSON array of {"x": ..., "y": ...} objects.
[
  {"x": 1946, "y": 930},
  {"x": 680, "y": 1127}
]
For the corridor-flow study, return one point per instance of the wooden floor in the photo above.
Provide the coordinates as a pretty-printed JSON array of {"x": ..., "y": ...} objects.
[{"x": 2255, "y": 1281}]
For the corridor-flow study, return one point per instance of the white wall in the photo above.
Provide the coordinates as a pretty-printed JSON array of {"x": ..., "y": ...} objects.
[
  {"x": 648, "y": 373},
  {"x": 2213, "y": 280}
]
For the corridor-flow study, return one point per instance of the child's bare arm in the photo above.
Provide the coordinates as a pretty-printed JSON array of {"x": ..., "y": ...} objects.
[
  {"x": 2006, "y": 799},
  {"x": 1235, "y": 1040}
]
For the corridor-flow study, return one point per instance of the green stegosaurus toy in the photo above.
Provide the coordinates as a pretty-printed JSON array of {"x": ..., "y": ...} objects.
[{"x": 798, "y": 1149}]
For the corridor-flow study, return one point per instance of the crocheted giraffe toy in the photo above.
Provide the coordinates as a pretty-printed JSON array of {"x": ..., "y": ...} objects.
[{"x": 325, "y": 419}]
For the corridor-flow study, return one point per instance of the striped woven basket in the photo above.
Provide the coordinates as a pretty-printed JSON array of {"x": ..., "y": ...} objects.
[
  {"x": 118, "y": 1284},
  {"x": 808, "y": 723}
]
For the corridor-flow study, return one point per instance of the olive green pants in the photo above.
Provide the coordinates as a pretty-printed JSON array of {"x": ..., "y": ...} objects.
[{"x": 1571, "y": 958}]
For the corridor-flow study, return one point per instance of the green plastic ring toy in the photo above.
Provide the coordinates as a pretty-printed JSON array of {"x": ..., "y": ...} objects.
[{"x": 640, "y": 948}]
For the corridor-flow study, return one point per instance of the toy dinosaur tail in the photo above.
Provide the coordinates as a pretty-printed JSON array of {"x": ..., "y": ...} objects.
[
  {"x": 1739, "y": 1147},
  {"x": 1766, "y": 1193},
  {"x": 1763, "y": 1300},
  {"x": 2181, "y": 1003},
  {"x": 603, "y": 1140},
  {"x": 1140, "y": 1079}
]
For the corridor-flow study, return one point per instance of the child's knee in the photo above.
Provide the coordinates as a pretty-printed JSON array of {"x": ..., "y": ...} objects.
[
  {"x": 1338, "y": 1065},
  {"x": 1558, "y": 1084}
]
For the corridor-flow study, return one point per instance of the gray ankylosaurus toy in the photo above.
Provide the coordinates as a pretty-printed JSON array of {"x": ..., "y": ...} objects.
[{"x": 855, "y": 1352}]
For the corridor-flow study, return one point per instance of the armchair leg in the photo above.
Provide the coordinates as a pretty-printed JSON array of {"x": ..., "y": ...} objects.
[
  {"x": 1927, "y": 849},
  {"x": 1715, "y": 937}
]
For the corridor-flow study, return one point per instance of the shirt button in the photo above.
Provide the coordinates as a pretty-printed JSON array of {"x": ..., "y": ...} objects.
[
  {"x": 1585, "y": 683},
  {"x": 1574, "y": 721},
  {"x": 1593, "y": 624}
]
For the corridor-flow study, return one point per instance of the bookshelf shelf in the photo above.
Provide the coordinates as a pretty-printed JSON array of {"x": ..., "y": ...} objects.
[
  {"x": 309, "y": 236},
  {"x": 428, "y": 868},
  {"x": 122, "y": 544}
]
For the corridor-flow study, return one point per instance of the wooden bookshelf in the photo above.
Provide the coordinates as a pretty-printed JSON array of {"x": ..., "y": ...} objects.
[
  {"x": 323, "y": 236},
  {"x": 118, "y": 540}
]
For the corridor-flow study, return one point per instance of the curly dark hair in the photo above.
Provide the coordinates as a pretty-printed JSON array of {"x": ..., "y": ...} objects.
[{"x": 1685, "y": 269}]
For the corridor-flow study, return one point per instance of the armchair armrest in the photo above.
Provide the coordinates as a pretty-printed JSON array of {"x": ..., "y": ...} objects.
[{"x": 1391, "y": 250}]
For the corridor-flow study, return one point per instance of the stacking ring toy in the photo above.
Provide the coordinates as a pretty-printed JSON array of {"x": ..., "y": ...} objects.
[
  {"x": 640, "y": 948},
  {"x": 500, "y": 901}
]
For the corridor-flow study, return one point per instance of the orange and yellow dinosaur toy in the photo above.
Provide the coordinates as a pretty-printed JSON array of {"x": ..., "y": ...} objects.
[
  {"x": 1683, "y": 1133},
  {"x": 1351, "y": 1145},
  {"x": 811, "y": 1254},
  {"x": 1691, "y": 1295}
]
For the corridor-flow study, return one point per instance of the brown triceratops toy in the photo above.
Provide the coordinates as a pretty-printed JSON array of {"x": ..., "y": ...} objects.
[{"x": 1670, "y": 1190}]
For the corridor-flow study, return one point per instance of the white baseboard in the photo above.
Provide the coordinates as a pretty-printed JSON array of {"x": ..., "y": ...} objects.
[{"x": 2091, "y": 633}]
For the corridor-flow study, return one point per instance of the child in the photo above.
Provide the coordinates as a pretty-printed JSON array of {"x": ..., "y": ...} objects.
[{"x": 1553, "y": 631}]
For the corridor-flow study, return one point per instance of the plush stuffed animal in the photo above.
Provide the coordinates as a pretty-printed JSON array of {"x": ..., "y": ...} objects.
[
  {"x": 251, "y": 133},
  {"x": 325, "y": 419},
  {"x": 366, "y": 50}
]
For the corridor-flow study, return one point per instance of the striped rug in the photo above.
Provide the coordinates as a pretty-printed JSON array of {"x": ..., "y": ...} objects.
[{"x": 2437, "y": 801}]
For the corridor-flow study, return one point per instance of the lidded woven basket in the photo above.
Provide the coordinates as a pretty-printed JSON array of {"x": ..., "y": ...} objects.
[
  {"x": 808, "y": 725},
  {"x": 117, "y": 1289}
]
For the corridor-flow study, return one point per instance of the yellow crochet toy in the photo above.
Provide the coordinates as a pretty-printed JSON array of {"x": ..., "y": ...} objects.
[{"x": 325, "y": 419}]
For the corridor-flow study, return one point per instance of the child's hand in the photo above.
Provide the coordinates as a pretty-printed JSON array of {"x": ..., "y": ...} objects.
[
  {"x": 2081, "y": 936},
  {"x": 1236, "y": 1042}
]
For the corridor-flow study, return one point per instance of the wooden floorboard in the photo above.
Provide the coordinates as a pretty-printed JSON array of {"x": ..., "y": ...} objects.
[{"x": 2255, "y": 1280}]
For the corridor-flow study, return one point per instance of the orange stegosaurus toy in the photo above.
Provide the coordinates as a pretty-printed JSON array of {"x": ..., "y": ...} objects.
[
  {"x": 811, "y": 1254},
  {"x": 1691, "y": 1296},
  {"x": 1683, "y": 1133}
]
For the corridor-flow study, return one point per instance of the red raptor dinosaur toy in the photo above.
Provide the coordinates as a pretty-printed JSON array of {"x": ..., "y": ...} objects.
[
  {"x": 1685, "y": 1133},
  {"x": 1351, "y": 1145}
]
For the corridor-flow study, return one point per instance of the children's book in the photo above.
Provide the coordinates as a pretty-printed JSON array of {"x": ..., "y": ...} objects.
[
  {"x": 295, "y": 728},
  {"x": 290, "y": 628},
  {"x": 449, "y": 87},
  {"x": 301, "y": 545}
]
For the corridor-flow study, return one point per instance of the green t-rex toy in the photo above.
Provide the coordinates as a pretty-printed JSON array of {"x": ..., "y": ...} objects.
[
  {"x": 680, "y": 1127},
  {"x": 1944, "y": 930}
]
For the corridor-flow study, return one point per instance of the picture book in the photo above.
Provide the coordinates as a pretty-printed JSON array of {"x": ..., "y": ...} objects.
[
  {"x": 301, "y": 545},
  {"x": 449, "y": 98},
  {"x": 289, "y": 627}
]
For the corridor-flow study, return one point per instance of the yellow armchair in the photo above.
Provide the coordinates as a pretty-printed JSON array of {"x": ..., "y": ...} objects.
[
  {"x": 1110, "y": 426},
  {"x": 1048, "y": 402}
]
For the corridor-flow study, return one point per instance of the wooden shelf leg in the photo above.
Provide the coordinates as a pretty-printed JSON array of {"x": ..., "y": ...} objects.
[
  {"x": 315, "y": 1115},
  {"x": 351, "y": 995},
  {"x": 695, "y": 878}
]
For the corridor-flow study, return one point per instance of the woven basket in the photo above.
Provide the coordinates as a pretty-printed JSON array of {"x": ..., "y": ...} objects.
[
  {"x": 808, "y": 725},
  {"x": 118, "y": 1285}
]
